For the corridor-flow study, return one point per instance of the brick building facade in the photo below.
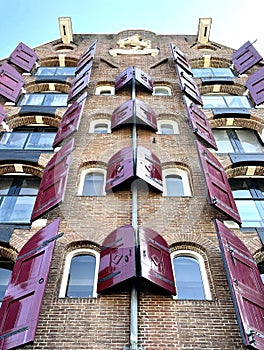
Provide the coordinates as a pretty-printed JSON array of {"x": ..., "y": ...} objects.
[{"x": 131, "y": 165}]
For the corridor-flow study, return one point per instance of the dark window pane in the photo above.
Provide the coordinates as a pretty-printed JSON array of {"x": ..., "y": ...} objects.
[
  {"x": 188, "y": 277},
  {"x": 81, "y": 276},
  {"x": 6, "y": 267}
]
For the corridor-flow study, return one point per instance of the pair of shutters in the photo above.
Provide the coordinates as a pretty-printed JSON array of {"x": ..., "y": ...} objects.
[
  {"x": 133, "y": 73},
  {"x": 183, "y": 69},
  {"x": 119, "y": 259},
  {"x": 125, "y": 112},
  {"x": 121, "y": 168},
  {"x": 82, "y": 72}
]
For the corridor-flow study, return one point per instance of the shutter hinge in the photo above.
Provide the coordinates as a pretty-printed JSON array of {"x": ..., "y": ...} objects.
[
  {"x": 251, "y": 336},
  {"x": 23, "y": 329}
]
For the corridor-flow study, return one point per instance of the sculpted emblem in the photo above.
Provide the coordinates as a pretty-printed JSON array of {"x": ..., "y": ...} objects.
[{"x": 135, "y": 41}]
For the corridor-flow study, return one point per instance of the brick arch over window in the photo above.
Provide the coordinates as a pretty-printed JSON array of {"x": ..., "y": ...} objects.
[
  {"x": 16, "y": 120},
  {"x": 182, "y": 166},
  {"x": 249, "y": 123},
  {"x": 215, "y": 62},
  {"x": 54, "y": 61},
  {"x": 234, "y": 89},
  {"x": 35, "y": 170},
  {"x": 44, "y": 87},
  {"x": 246, "y": 170},
  {"x": 8, "y": 253}
]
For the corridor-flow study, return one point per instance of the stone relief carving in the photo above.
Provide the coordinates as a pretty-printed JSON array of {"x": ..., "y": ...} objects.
[{"x": 134, "y": 45}]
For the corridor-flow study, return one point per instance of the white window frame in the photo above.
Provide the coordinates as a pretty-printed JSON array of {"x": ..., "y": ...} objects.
[
  {"x": 185, "y": 181},
  {"x": 69, "y": 257},
  {"x": 84, "y": 172},
  {"x": 157, "y": 87},
  {"x": 199, "y": 258},
  {"x": 95, "y": 122},
  {"x": 101, "y": 88},
  {"x": 174, "y": 124}
]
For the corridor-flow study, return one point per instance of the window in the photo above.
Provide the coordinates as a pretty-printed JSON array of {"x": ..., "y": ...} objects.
[
  {"x": 261, "y": 270},
  {"x": 92, "y": 183},
  {"x": 167, "y": 127},
  {"x": 190, "y": 275},
  {"x": 80, "y": 274},
  {"x": 105, "y": 90},
  {"x": 212, "y": 73},
  {"x": 44, "y": 99},
  {"x": 238, "y": 141},
  {"x": 225, "y": 101},
  {"x": 100, "y": 126},
  {"x": 17, "y": 198},
  {"x": 249, "y": 197},
  {"x": 176, "y": 183},
  {"x": 6, "y": 267},
  {"x": 55, "y": 71},
  {"x": 161, "y": 91}
]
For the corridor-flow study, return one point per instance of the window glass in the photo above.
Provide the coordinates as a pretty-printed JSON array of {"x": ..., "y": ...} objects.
[
  {"x": 81, "y": 276},
  {"x": 6, "y": 267},
  {"x": 54, "y": 71},
  {"x": 189, "y": 283},
  {"x": 162, "y": 91},
  {"x": 174, "y": 185},
  {"x": 212, "y": 72},
  {"x": 27, "y": 140},
  {"x": 261, "y": 270},
  {"x": 42, "y": 99},
  {"x": 249, "y": 141},
  {"x": 225, "y": 101},
  {"x": 222, "y": 140},
  {"x": 166, "y": 129},
  {"x": 93, "y": 184},
  {"x": 101, "y": 128}
]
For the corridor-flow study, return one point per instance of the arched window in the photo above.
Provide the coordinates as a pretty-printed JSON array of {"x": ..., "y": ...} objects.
[
  {"x": 162, "y": 90},
  {"x": 80, "y": 274},
  {"x": 176, "y": 183},
  {"x": 6, "y": 267},
  {"x": 105, "y": 90},
  {"x": 100, "y": 126},
  {"x": 92, "y": 182},
  {"x": 190, "y": 275},
  {"x": 167, "y": 127}
]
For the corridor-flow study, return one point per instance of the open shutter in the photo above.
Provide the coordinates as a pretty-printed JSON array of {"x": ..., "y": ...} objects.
[
  {"x": 127, "y": 75},
  {"x": 23, "y": 298},
  {"x": 11, "y": 82},
  {"x": 200, "y": 124},
  {"x": 188, "y": 86},
  {"x": 155, "y": 260},
  {"x": 117, "y": 258},
  {"x": 86, "y": 57},
  {"x": 53, "y": 183},
  {"x": 124, "y": 78},
  {"x": 245, "y": 57},
  {"x": 149, "y": 168},
  {"x": 119, "y": 168},
  {"x": 2, "y": 114},
  {"x": 70, "y": 120},
  {"x": 23, "y": 57},
  {"x": 218, "y": 189},
  {"x": 124, "y": 114},
  {"x": 255, "y": 85},
  {"x": 245, "y": 284},
  {"x": 144, "y": 79},
  {"x": 79, "y": 83},
  {"x": 180, "y": 59}
]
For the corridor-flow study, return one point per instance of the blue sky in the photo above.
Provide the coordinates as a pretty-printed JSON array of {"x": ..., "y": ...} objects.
[{"x": 35, "y": 23}]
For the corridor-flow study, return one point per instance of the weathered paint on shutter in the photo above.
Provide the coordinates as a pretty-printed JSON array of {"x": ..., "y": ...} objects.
[
  {"x": 23, "y": 57},
  {"x": 122, "y": 114},
  {"x": 117, "y": 258},
  {"x": 119, "y": 168},
  {"x": 123, "y": 78},
  {"x": 23, "y": 298},
  {"x": 78, "y": 85},
  {"x": 245, "y": 284},
  {"x": 70, "y": 120},
  {"x": 219, "y": 193},
  {"x": 155, "y": 260},
  {"x": 255, "y": 85},
  {"x": 245, "y": 57},
  {"x": 180, "y": 59},
  {"x": 149, "y": 168},
  {"x": 2, "y": 114},
  {"x": 200, "y": 124},
  {"x": 53, "y": 183},
  {"x": 86, "y": 57},
  {"x": 11, "y": 82},
  {"x": 189, "y": 86},
  {"x": 144, "y": 79}
]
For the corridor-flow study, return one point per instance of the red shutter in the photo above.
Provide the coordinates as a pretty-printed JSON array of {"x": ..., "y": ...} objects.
[
  {"x": 23, "y": 298},
  {"x": 149, "y": 168},
  {"x": 144, "y": 79},
  {"x": 245, "y": 57},
  {"x": 2, "y": 113},
  {"x": 86, "y": 57},
  {"x": 188, "y": 86},
  {"x": 79, "y": 83},
  {"x": 11, "y": 82},
  {"x": 120, "y": 168},
  {"x": 70, "y": 120},
  {"x": 155, "y": 260},
  {"x": 117, "y": 260},
  {"x": 245, "y": 284},
  {"x": 123, "y": 78},
  {"x": 200, "y": 124},
  {"x": 218, "y": 188},
  {"x": 255, "y": 85},
  {"x": 23, "y": 57},
  {"x": 124, "y": 114},
  {"x": 53, "y": 183},
  {"x": 180, "y": 59}
]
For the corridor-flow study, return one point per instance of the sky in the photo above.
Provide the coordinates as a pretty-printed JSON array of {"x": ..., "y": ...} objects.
[{"x": 36, "y": 22}]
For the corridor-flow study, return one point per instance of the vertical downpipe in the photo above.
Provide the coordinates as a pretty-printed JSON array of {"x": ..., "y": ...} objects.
[{"x": 134, "y": 189}]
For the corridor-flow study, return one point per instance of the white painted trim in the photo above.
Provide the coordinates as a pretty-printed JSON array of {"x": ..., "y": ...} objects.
[
  {"x": 84, "y": 172},
  {"x": 185, "y": 181}
]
